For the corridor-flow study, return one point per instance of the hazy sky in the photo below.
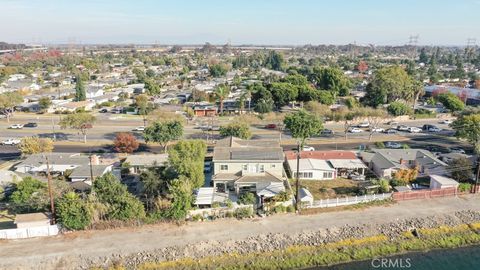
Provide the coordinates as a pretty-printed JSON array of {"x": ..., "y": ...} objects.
[{"x": 439, "y": 22}]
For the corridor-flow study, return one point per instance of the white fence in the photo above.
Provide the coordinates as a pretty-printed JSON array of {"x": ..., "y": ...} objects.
[
  {"x": 48, "y": 230},
  {"x": 349, "y": 200}
]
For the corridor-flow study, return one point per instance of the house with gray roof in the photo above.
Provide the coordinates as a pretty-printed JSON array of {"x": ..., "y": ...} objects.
[
  {"x": 248, "y": 166},
  {"x": 140, "y": 162},
  {"x": 385, "y": 162}
]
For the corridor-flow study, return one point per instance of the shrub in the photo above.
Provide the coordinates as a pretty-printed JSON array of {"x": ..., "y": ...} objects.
[
  {"x": 229, "y": 214},
  {"x": 290, "y": 209},
  {"x": 229, "y": 203},
  {"x": 279, "y": 209},
  {"x": 215, "y": 205},
  {"x": 247, "y": 198},
  {"x": 463, "y": 187},
  {"x": 380, "y": 145},
  {"x": 244, "y": 212},
  {"x": 398, "y": 108},
  {"x": 73, "y": 212}
]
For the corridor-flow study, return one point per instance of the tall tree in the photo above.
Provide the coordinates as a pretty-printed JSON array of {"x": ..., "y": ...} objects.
[
  {"x": 80, "y": 92},
  {"x": 8, "y": 101},
  {"x": 237, "y": 129},
  {"x": 143, "y": 107},
  {"x": 44, "y": 103},
  {"x": 163, "y": 132},
  {"x": 221, "y": 93},
  {"x": 79, "y": 121},
  {"x": 35, "y": 145},
  {"x": 331, "y": 79},
  {"x": 302, "y": 125},
  {"x": 186, "y": 158},
  {"x": 467, "y": 126},
  {"x": 125, "y": 142}
]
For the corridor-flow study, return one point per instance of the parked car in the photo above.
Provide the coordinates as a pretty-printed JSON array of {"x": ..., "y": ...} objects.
[
  {"x": 140, "y": 128},
  {"x": 271, "y": 126},
  {"x": 434, "y": 129},
  {"x": 364, "y": 125},
  {"x": 446, "y": 122},
  {"x": 16, "y": 126},
  {"x": 426, "y": 127},
  {"x": 414, "y": 130},
  {"x": 308, "y": 148},
  {"x": 457, "y": 150},
  {"x": 11, "y": 142},
  {"x": 393, "y": 145},
  {"x": 391, "y": 131},
  {"x": 214, "y": 128},
  {"x": 31, "y": 125},
  {"x": 355, "y": 130},
  {"x": 402, "y": 128},
  {"x": 104, "y": 110},
  {"x": 326, "y": 132},
  {"x": 377, "y": 129}
]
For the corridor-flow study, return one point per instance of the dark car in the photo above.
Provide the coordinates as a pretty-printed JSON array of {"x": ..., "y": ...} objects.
[
  {"x": 103, "y": 111},
  {"x": 327, "y": 132},
  {"x": 271, "y": 126},
  {"x": 390, "y": 131},
  {"x": 31, "y": 125}
]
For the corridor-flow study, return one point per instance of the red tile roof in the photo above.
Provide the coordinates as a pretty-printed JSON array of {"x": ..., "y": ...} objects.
[{"x": 325, "y": 155}]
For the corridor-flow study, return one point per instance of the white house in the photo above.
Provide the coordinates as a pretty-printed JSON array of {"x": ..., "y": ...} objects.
[
  {"x": 312, "y": 169},
  {"x": 441, "y": 182}
]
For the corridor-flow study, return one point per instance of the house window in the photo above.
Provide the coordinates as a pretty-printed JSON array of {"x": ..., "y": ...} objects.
[
  {"x": 272, "y": 166},
  {"x": 223, "y": 167},
  {"x": 327, "y": 175},
  {"x": 262, "y": 168},
  {"x": 244, "y": 167},
  {"x": 308, "y": 175}
]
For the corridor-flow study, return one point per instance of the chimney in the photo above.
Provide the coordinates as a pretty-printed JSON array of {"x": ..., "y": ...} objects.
[{"x": 94, "y": 160}]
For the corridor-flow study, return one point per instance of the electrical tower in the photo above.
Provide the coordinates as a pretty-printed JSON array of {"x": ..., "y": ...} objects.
[
  {"x": 471, "y": 42},
  {"x": 412, "y": 42}
]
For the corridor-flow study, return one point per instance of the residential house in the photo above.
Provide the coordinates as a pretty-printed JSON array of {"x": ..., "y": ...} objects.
[
  {"x": 324, "y": 165},
  {"x": 88, "y": 105},
  {"x": 58, "y": 163},
  {"x": 139, "y": 163},
  {"x": 243, "y": 166},
  {"x": 385, "y": 162},
  {"x": 85, "y": 173},
  {"x": 205, "y": 110}
]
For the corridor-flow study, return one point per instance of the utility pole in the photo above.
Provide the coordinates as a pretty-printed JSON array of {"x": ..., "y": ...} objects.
[
  {"x": 297, "y": 182},
  {"x": 477, "y": 176},
  {"x": 53, "y": 130},
  {"x": 50, "y": 192},
  {"x": 91, "y": 168}
]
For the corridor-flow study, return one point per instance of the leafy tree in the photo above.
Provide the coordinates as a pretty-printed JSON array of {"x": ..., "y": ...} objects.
[
  {"x": 80, "y": 93},
  {"x": 152, "y": 87},
  {"x": 125, "y": 142},
  {"x": 29, "y": 195},
  {"x": 331, "y": 79},
  {"x": 461, "y": 169},
  {"x": 143, "y": 106},
  {"x": 423, "y": 58},
  {"x": 468, "y": 127},
  {"x": 222, "y": 92},
  {"x": 451, "y": 102},
  {"x": 398, "y": 108},
  {"x": 302, "y": 125},
  {"x": 153, "y": 182},
  {"x": 264, "y": 105},
  {"x": 247, "y": 198},
  {"x": 8, "y": 101},
  {"x": 388, "y": 84},
  {"x": 44, "y": 103},
  {"x": 274, "y": 60},
  {"x": 73, "y": 212},
  {"x": 35, "y": 145},
  {"x": 362, "y": 67},
  {"x": 238, "y": 129},
  {"x": 164, "y": 132},
  {"x": 79, "y": 121},
  {"x": 186, "y": 158},
  {"x": 218, "y": 70},
  {"x": 283, "y": 93},
  {"x": 181, "y": 191},
  {"x": 121, "y": 204},
  {"x": 405, "y": 176}
]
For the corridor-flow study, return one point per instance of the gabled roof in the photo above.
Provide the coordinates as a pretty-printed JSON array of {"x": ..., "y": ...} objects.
[
  {"x": 325, "y": 155},
  {"x": 147, "y": 159},
  {"x": 235, "y": 149},
  {"x": 84, "y": 171},
  {"x": 262, "y": 178},
  {"x": 390, "y": 158},
  {"x": 308, "y": 164}
]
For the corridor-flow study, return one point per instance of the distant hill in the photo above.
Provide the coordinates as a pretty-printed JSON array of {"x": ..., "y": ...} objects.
[{"x": 8, "y": 46}]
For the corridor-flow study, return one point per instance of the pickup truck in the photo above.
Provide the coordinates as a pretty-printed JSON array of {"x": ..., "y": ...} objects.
[{"x": 11, "y": 142}]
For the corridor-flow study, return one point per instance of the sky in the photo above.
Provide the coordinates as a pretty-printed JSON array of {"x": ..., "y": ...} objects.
[{"x": 263, "y": 22}]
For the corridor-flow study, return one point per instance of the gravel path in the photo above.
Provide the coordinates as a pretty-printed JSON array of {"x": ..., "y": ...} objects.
[{"x": 165, "y": 241}]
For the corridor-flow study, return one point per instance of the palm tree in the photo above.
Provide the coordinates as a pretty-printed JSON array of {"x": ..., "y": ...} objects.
[{"x": 222, "y": 93}]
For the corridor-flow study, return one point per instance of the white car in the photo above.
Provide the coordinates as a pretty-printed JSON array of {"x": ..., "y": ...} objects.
[
  {"x": 364, "y": 125},
  {"x": 16, "y": 126},
  {"x": 355, "y": 130},
  {"x": 140, "y": 128},
  {"x": 308, "y": 148},
  {"x": 434, "y": 129},
  {"x": 11, "y": 142},
  {"x": 446, "y": 122},
  {"x": 377, "y": 129},
  {"x": 393, "y": 145},
  {"x": 457, "y": 150},
  {"x": 414, "y": 130},
  {"x": 402, "y": 128}
]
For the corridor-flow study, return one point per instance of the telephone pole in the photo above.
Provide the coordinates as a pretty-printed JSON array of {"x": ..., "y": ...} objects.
[
  {"x": 297, "y": 180},
  {"x": 50, "y": 192}
]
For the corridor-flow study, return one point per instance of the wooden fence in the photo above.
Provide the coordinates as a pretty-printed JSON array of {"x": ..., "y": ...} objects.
[{"x": 424, "y": 194}]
